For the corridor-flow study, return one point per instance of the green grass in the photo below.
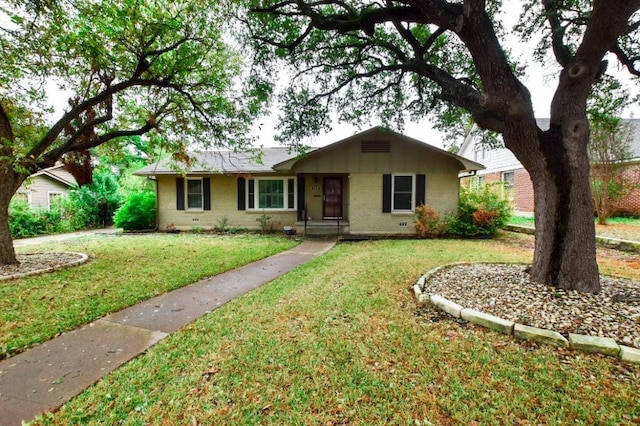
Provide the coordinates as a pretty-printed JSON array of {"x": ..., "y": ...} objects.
[
  {"x": 624, "y": 220},
  {"x": 122, "y": 271},
  {"x": 529, "y": 221},
  {"x": 522, "y": 220},
  {"x": 341, "y": 340}
]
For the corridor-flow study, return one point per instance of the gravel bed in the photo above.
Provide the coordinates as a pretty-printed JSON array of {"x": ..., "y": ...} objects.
[
  {"x": 34, "y": 262},
  {"x": 506, "y": 291}
]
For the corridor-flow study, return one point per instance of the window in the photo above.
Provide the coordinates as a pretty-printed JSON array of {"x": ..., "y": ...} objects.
[
  {"x": 194, "y": 194},
  {"x": 52, "y": 197},
  {"x": 271, "y": 193},
  {"x": 508, "y": 179},
  {"x": 476, "y": 182},
  {"x": 403, "y": 193},
  {"x": 21, "y": 197},
  {"x": 480, "y": 153}
]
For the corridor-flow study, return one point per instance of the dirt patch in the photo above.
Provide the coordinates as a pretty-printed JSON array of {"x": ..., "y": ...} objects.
[{"x": 621, "y": 231}]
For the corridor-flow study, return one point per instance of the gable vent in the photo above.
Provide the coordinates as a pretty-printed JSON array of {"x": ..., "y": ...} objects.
[{"x": 375, "y": 146}]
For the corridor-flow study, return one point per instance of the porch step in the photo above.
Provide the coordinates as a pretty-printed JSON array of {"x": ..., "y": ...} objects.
[{"x": 323, "y": 228}]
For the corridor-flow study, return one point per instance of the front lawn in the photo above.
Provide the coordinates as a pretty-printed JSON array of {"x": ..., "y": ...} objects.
[
  {"x": 626, "y": 228},
  {"x": 341, "y": 340},
  {"x": 122, "y": 271}
]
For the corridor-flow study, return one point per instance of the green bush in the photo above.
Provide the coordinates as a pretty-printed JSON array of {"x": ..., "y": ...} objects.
[
  {"x": 481, "y": 213},
  {"x": 96, "y": 203},
  {"x": 138, "y": 212},
  {"x": 23, "y": 222}
]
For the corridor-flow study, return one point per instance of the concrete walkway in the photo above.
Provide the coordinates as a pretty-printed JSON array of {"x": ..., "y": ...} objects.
[
  {"x": 45, "y": 377},
  {"x": 24, "y": 242}
]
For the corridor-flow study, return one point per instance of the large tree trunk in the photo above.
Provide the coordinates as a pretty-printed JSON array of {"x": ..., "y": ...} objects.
[
  {"x": 8, "y": 186},
  {"x": 565, "y": 251},
  {"x": 7, "y": 253}
]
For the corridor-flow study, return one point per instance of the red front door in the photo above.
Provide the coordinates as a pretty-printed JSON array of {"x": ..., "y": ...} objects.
[{"x": 332, "y": 197}]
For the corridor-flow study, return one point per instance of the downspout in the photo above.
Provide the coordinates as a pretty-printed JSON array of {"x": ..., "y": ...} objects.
[{"x": 157, "y": 224}]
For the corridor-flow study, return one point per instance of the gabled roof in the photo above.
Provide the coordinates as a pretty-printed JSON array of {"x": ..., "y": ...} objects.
[
  {"x": 271, "y": 160},
  {"x": 57, "y": 173},
  {"x": 466, "y": 163}
]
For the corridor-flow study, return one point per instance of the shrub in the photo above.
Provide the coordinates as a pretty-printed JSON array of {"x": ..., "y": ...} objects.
[
  {"x": 221, "y": 226},
  {"x": 481, "y": 213},
  {"x": 98, "y": 201},
  {"x": 138, "y": 212},
  {"x": 23, "y": 222},
  {"x": 429, "y": 223}
]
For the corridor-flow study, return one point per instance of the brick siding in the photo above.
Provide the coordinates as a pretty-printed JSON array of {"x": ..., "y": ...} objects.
[{"x": 630, "y": 205}]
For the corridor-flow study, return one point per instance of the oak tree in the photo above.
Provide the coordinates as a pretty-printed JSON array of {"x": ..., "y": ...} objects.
[
  {"x": 129, "y": 68},
  {"x": 393, "y": 58}
]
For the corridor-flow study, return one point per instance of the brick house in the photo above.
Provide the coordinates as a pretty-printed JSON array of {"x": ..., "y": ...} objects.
[{"x": 502, "y": 166}]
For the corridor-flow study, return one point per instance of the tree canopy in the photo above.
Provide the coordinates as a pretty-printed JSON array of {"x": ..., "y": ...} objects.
[
  {"x": 129, "y": 67},
  {"x": 406, "y": 60},
  {"x": 401, "y": 59}
]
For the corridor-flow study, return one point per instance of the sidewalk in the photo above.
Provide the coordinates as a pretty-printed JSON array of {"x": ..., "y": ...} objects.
[
  {"x": 24, "y": 242},
  {"x": 46, "y": 376}
]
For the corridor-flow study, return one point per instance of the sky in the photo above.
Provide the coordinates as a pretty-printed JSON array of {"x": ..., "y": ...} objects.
[{"x": 540, "y": 81}]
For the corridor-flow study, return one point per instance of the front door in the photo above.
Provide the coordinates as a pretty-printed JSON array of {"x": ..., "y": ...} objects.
[{"x": 332, "y": 198}]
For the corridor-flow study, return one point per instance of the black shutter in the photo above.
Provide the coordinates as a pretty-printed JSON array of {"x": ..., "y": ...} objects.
[
  {"x": 301, "y": 200},
  {"x": 180, "y": 193},
  {"x": 252, "y": 193},
  {"x": 206, "y": 190},
  {"x": 242, "y": 198},
  {"x": 386, "y": 193},
  {"x": 420, "y": 190}
]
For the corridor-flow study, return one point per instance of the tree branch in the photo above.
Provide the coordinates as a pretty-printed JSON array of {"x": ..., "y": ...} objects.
[
  {"x": 560, "y": 49},
  {"x": 625, "y": 60}
]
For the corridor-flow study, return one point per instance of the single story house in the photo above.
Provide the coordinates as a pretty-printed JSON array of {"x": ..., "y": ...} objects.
[
  {"x": 42, "y": 188},
  {"x": 369, "y": 183},
  {"x": 502, "y": 166}
]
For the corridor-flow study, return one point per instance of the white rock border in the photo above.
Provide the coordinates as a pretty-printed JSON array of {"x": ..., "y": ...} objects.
[
  {"x": 580, "y": 342},
  {"x": 82, "y": 259}
]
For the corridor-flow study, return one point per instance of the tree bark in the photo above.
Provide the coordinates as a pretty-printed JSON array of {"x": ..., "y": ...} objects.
[
  {"x": 8, "y": 186},
  {"x": 7, "y": 252},
  {"x": 565, "y": 250},
  {"x": 557, "y": 161}
]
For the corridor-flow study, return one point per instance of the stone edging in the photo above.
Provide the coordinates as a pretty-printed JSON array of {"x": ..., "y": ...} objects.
[
  {"x": 581, "y": 342},
  {"x": 83, "y": 258},
  {"x": 607, "y": 242}
]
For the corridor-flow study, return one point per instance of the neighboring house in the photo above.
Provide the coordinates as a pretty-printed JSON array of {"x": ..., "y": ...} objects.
[
  {"x": 369, "y": 183},
  {"x": 43, "y": 187},
  {"x": 502, "y": 166}
]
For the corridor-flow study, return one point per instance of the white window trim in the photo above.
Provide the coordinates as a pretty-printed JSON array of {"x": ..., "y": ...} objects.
[
  {"x": 504, "y": 181},
  {"x": 49, "y": 194},
  {"x": 186, "y": 195},
  {"x": 256, "y": 194},
  {"x": 393, "y": 192}
]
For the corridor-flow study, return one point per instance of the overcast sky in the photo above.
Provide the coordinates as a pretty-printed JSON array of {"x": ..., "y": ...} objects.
[{"x": 540, "y": 81}]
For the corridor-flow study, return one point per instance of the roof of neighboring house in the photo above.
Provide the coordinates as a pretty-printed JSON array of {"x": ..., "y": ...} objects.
[
  {"x": 634, "y": 145},
  {"x": 58, "y": 173},
  {"x": 543, "y": 123},
  {"x": 269, "y": 160}
]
